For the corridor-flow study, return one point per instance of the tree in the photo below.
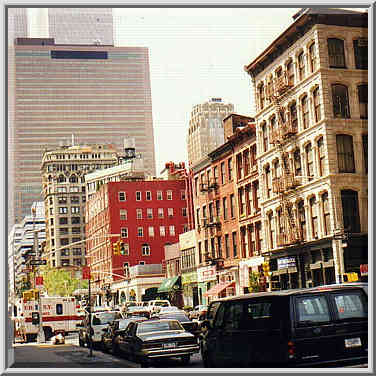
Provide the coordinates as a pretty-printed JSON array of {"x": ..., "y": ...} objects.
[
  {"x": 60, "y": 282},
  {"x": 254, "y": 282}
]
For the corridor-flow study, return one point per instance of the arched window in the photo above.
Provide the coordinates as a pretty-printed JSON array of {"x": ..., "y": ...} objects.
[
  {"x": 290, "y": 73},
  {"x": 363, "y": 101},
  {"x": 314, "y": 217},
  {"x": 271, "y": 230},
  {"x": 321, "y": 156},
  {"x": 309, "y": 159},
  {"x": 340, "y": 101},
  {"x": 312, "y": 57},
  {"x": 297, "y": 163},
  {"x": 345, "y": 153},
  {"x": 305, "y": 112},
  {"x": 336, "y": 53},
  {"x": 301, "y": 65},
  {"x": 268, "y": 181},
  {"x": 73, "y": 179},
  {"x": 293, "y": 116},
  {"x": 326, "y": 213},
  {"x": 61, "y": 179},
  {"x": 350, "y": 210},
  {"x": 261, "y": 94},
  {"x": 302, "y": 220},
  {"x": 264, "y": 130},
  {"x": 316, "y": 104}
]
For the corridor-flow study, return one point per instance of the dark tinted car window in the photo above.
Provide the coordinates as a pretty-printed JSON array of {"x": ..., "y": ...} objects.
[
  {"x": 312, "y": 310},
  {"x": 350, "y": 305}
]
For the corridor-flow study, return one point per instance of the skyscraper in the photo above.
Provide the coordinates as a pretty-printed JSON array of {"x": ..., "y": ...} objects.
[{"x": 89, "y": 88}]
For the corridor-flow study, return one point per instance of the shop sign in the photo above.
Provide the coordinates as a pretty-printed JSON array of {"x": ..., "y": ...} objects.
[
  {"x": 253, "y": 261},
  {"x": 286, "y": 262},
  {"x": 189, "y": 278},
  {"x": 364, "y": 269},
  {"x": 207, "y": 273}
]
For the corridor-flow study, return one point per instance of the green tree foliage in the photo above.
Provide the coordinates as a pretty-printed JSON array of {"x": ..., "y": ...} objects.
[
  {"x": 254, "y": 282},
  {"x": 59, "y": 282}
]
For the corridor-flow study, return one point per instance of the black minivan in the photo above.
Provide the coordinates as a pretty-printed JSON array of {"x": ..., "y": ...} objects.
[{"x": 314, "y": 327}]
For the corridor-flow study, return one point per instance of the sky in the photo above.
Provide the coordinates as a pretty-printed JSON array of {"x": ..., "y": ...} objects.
[{"x": 197, "y": 54}]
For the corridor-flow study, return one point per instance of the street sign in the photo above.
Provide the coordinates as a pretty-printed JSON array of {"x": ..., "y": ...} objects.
[{"x": 38, "y": 262}]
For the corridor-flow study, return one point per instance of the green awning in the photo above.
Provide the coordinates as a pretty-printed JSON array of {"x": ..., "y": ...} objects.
[{"x": 168, "y": 284}]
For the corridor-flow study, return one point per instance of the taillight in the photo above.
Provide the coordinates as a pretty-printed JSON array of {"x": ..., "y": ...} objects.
[{"x": 291, "y": 349}]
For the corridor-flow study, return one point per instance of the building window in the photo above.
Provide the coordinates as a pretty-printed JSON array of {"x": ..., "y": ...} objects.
[
  {"x": 223, "y": 173},
  {"x": 64, "y": 252},
  {"x": 261, "y": 95},
  {"x": 312, "y": 57},
  {"x": 169, "y": 195},
  {"x": 126, "y": 268},
  {"x": 151, "y": 231},
  {"x": 160, "y": 212},
  {"x": 75, "y": 209},
  {"x": 258, "y": 237},
  {"x": 170, "y": 212},
  {"x": 184, "y": 212},
  {"x": 326, "y": 213},
  {"x": 229, "y": 168},
  {"x": 363, "y": 101},
  {"x": 123, "y": 215},
  {"x": 140, "y": 231},
  {"x": 148, "y": 196},
  {"x": 122, "y": 196},
  {"x": 290, "y": 73},
  {"x": 138, "y": 196},
  {"x": 162, "y": 231},
  {"x": 294, "y": 116},
  {"x": 302, "y": 220},
  {"x": 297, "y": 163},
  {"x": 224, "y": 200},
  {"x": 340, "y": 98},
  {"x": 350, "y": 209},
  {"x": 142, "y": 263},
  {"x": 264, "y": 130},
  {"x": 305, "y": 112},
  {"x": 365, "y": 152},
  {"x": 62, "y": 200},
  {"x": 149, "y": 213},
  {"x": 321, "y": 156},
  {"x": 219, "y": 247},
  {"x": 145, "y": 250},
  {"x": 301, "y": 65},
  {"x": 76, "y": 220},
  {"x": 336, "y": 53},
  {"x": 361, "y": 53},
  {"x": 227, "y": 248},
  {"x": 63, "y": 221},
  {"x": 232, "y": 205},
  {"x": 139, "y": 213},
  {"x": 314, "y": 217},
  {"x": 309, "y": 156},
  {"x": 75, "y": 200},
  {"x": 76, "y": 230},
  {"x": 345, "y": 153},
  {"x": 63, "y": 210},
  {"x": 268, "y": 181},
  {"x": 242, "y": 204},
  {"x": 316, "y": 104},
  {"x": 77, "y": 251},
  {"x": 234, "y": 244},
  {"x": 172, "y": 230},
  {"x": 64, "y": 241},
  {"x": 182, "y": 195},
  {"x": 271, "y": 230},
  {"x": 124, "y": 232},
  {"x": 159, "y": 195}
]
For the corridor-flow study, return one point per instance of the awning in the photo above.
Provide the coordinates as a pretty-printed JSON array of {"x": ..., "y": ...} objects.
[
  {"x": 218, "y": 288},
  {"x": 168, "y": 284}
]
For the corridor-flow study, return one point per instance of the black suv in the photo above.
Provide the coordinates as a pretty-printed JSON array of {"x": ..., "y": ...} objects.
[{"x": 322, "y": 326}]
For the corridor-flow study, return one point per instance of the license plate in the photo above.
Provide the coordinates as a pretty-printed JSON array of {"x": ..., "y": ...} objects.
[
  {"x": 171, "y": 345},
  {"x": 353, "y": 342}
]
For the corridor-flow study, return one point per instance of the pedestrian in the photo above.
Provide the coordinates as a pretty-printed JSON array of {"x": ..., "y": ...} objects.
[{"x": 22, "y": 327}]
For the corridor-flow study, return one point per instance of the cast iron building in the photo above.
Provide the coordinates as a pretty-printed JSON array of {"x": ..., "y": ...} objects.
[
  {"x": 312, "y": 147},
  {"x": 98, "y": 93}
]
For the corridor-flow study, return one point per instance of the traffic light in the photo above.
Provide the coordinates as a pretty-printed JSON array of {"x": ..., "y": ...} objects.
[
  {"x": 116, "y": 248},
  {"x": 122, "y": 248},
  {"x": 266, "y": 268}
]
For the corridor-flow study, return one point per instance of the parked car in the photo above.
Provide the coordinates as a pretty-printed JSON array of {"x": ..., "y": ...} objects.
[
  {"x": 137, "y": 311},
  {"x": 181, "y": 316},
  {"x": 154, "y": 304},
  {"x": 363, "y": 285},
  {"x": 320, "y": 326},
  {"x": 168, "y": 309},
  {"x": 150, "y": 340},
  {"x": 99, "y": 321},
  {"x": 113, "y": 329},
  {"x": 198, "y": 312}
]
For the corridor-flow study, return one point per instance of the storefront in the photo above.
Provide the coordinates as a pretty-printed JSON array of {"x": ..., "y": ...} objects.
[
  {"x": 245, "y": 267},
  {"x": 190, "y": 289},
  {"x": 171, "y": 289},
  {"x": 206, "y": 278}
]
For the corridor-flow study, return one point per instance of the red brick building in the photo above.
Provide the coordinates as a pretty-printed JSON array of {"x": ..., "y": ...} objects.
[{"x": 144, "y": 215}]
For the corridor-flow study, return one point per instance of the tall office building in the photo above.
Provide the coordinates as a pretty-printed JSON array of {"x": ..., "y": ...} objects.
[
  {"x": 206, "y": 129},
  {"x": 95, "y": 92}
]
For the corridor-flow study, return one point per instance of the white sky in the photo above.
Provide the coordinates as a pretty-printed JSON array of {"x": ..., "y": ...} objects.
[{"x": 196, "y": 54}]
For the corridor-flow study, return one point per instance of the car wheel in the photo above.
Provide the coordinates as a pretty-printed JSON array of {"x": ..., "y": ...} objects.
[{"x": 185, "y": 359}]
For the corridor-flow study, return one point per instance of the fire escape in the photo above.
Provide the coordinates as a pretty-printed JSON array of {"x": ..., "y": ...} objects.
[
  {"x": 284, "y": 185},
  {"x": 211, "y": 224}
]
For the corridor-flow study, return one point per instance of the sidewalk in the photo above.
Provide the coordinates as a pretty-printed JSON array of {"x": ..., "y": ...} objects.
[{"x": 64, "y": 356}]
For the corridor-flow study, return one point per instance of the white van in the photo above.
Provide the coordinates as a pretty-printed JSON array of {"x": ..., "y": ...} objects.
[{"x": 153, "y": 304}]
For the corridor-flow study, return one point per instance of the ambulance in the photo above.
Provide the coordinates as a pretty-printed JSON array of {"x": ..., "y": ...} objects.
[{"x": 59, "y": 315}]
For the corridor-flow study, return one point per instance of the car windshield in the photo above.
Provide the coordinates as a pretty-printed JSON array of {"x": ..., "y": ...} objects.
[
  {"x": 181, "y": 317},
  {"x": 105, "y": 317},
  {"x": 158, "y": 326}
]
